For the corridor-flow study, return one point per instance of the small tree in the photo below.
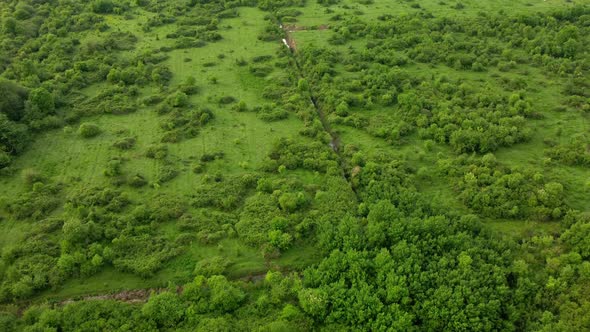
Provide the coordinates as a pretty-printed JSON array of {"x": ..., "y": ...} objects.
[
  {"x": 40, "y": 103},
  {"x": 164, "y": 309},
  {"x": 4, "y": 159}
]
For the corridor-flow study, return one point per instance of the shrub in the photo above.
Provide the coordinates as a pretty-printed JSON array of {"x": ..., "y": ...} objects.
[
  {"x": 125, "y": 143},
  {"x": 211, "y": 266},
  {"x": 137, "y": 181},
  {"x": 260, "y": 71},
  {"x": 212, "y": 156},
  {"x": 178, "y": 99},
  {"x": 89, "y": 130},
  {"x": 270, "y": 114},
  {"x": 166, "y": 173},
  {"x": 291, "y": 201},
  {"x": 113, "y": 168},
  {"x": 159, "y": 151},
  {"x": 227, "y": 100}
]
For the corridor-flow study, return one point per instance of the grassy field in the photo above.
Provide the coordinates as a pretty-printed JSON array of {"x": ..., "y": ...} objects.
[{"x": 63, "y": 156}]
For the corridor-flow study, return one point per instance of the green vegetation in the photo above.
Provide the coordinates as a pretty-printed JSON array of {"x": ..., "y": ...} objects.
[{"x": 290, "y": 165}]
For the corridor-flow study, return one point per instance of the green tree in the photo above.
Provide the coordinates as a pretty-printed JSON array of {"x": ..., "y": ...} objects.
[
  {"x": 225, "y": 297},
  {"x": 12, "y": 100},
  {"x": 40, "y": 104},
  {"x": 5, "y": 159},
  {"x": 14, "y": 137},
  {"x": 314, "y": 302},
  {"x": 165, "y": 309}
]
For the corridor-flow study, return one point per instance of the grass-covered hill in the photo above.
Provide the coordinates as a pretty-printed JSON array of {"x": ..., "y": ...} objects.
[{"x": 292, "y": 165}]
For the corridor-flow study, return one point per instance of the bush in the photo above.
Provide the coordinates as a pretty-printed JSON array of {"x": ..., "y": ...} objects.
[
  {"x": 290, "y": 201},
  {"x": 159, "y": 151},
  {"x": 113, "y": 168},
  {"x": 137, "y": 181},
  {"x": 125, "y": 143},
  {"x": 260, "y": 71},
  {"x": 211, "y": 266},
  {"x": 166, "y": 173},
  {"x": 178, "y": 99},
  {"x": 225, "y": 297},
  {"x": 271, "y": 114},
  {"x": 89, "y": 130},
  {"x": 227, "y": 100},
  {"x": 207, "y": 157}
]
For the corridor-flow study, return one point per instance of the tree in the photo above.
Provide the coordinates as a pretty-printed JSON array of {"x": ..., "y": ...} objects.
[
  {"x": 165, "y": 309},
  {"x": 178, "y": 99},
  {"x": 303, "y": 85},
  {"x": 578, "y": 237},
  {"x": 225, "y": 297},
  {"x": 12, "y": 100},
  {"x": 290, "y": 202},
  {"x": 40, "y": 104},
  {"x": 314, "y": 302},
  {"x": 5, "y": 159},
  {"x": 13, "y": 136},
  {"x": 279, "y": 239},
  {"x": 103, "y": 6}
]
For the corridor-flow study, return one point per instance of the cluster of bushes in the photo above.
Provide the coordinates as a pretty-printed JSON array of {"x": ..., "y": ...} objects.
[
  {"x": 472, "y": 44},
  {"x": 21, "y": 110},
  {"x": 182, "y": 120},
  {"x": 275, "y": 215},
  {"x": 37, "y": 203},
  {"x": 47, "y": 65},
  {"x": 205, "y": 304},
  {"x": 493, "y": 190},
  {"x": 207, "y": 226},
  {"x": 451, "y": 112},
  {"x": 575, "y": 152},
  {"x": 293, "y": 154},
  {"x": 469, "y": 117},
  {"x": 224, "y": 193},
  {"x": 98, "y": 227}
]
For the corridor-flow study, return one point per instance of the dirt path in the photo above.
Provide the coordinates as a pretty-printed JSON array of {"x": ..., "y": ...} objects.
[
  {"x": 128, "y": 296},
  {"x": 132, "y": 296},
  {"x": 335, "y": 143},
  {"x": 142, "y": 295}
]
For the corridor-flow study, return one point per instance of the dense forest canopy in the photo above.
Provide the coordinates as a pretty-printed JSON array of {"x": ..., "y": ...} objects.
[{"x": 294, "y": 165}]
